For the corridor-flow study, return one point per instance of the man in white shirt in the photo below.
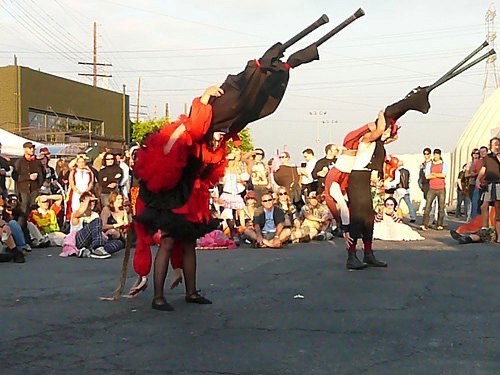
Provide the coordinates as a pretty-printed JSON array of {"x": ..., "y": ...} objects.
[{"x": 306, "y": 169}]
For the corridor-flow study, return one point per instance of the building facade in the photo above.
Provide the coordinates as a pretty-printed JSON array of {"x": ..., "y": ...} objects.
[{"x": 50, "y": 109}]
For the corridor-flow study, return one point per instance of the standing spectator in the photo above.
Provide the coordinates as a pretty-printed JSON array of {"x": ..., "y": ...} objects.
[
  {"x": 49, "y": 175},
  {"x": 288, "y": 177},
  {"x": 435, "y": 172},
  {"x": 308, "y": 182},
  {"x": 462, "y": 194},
  {"x": 5, "y": 171},
  {"x": 471, "y": 172},
  {"x": 490, "y": 174},
  {"x": 99, "y": 160},
  {"x": 109, "y": 177},
  {"x": 260, "y": 175},
  {"x": 401, "y": 183},
  {"x": 29, "y": 176},
  {"x": 80, "y": 181},
  {"x": 62, "y": 172},
  {"x": 323, "y": 165},
  {"x": 125, "y": 181},
  {"x": 423, "y": 183}
]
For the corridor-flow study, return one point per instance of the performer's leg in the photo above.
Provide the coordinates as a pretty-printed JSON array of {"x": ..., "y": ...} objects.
[
  {"x": 160, "y": 274},
  {"x": 189, "y": 268}
]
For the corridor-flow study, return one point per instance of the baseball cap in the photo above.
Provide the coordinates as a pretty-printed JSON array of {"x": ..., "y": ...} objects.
[
  {"x": 28, "y": 145},
  {"x": 44, "y": 150}
]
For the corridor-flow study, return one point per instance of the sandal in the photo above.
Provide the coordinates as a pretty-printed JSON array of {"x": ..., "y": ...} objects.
[
  {"x": 165, "y": 306},
  {"x": 141, "y": 286},
  {"x": 196, "y": 297}
]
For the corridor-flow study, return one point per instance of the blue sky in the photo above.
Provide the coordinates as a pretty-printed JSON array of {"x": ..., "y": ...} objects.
[{"x": 180, "y": 47}]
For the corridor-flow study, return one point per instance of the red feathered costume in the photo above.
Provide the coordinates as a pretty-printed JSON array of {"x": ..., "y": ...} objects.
[{"x": 173, "y": 195}]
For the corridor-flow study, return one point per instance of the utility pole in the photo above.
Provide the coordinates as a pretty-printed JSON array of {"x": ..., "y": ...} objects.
[
  {"x": 138, "y": 100},
  {"x": 94, "y": 62},
  {"x": 167, "y": 111},
  {"x": 490, "y": 73}
]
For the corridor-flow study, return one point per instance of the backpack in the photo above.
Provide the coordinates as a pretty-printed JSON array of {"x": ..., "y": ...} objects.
[{"x": 404, "y": 181}]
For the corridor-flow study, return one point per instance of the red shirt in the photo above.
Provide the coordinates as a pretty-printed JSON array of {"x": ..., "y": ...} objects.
[{"x": 437, "y": 183}]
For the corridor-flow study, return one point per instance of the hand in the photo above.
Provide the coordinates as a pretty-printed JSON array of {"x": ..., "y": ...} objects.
[
  {"x": 259, "y": 239},
  {"x": 33, "y": 176},
  {"x": 211, "y": 91},
  {"x": 381, "y": 118},
  {"x": 348, "y": 239}
]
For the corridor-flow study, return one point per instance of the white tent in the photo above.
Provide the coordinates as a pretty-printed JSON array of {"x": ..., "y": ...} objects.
[
  {"x": 484, "y": 125},
  {"x": 12, "y": 145}
]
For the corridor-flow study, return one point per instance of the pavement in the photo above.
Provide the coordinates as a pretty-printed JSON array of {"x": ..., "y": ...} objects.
[{"x": 434, "y": 310}]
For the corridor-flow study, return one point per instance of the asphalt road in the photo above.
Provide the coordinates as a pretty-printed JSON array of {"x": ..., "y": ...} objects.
[{"x": 435, "y": 310}]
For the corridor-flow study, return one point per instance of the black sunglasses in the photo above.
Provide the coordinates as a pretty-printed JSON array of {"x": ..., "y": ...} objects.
[
  {"x": 427, "y": 153},
  {"x": 266, "y": 200}
]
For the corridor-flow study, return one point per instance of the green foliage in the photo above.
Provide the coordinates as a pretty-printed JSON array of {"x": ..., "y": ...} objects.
[
  {"x": 142, "y": 128},
  {"x": 246, "y": 139}
]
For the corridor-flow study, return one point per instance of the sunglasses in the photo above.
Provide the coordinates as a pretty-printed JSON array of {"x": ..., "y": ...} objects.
[
  {"x": 282, "y": 157},
  {"x": 283, "y": 193},
  {"x": 266, "y": 200},
  {"x": 258, "y": 153},
  {"x": 475, "y": 153},
  {"x": 389, "y": 204},
  {"x": 110, "y": 158},
  {"x": 427, "y": 153}
]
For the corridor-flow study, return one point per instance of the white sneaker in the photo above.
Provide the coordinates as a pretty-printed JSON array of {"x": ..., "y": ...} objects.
[
  {"x": 99, "y": 253},
  {"x": 83, "y": 253}
]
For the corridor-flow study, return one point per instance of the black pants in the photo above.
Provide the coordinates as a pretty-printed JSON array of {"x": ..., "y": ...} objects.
[{"x": 362, "y": 215}]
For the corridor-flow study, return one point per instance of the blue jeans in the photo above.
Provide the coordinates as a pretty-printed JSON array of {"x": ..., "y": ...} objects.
[
  {"x": 411, "y": 210},
  {"x": 475, "y": 203},
  {"x": 463, "y": 198},
  {"x": 17, "y": 234}
]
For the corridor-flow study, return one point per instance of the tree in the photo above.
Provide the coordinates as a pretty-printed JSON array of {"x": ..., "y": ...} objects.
[
  {"x": 142, "y": 128},
  {"x": 246, "y": 141}
]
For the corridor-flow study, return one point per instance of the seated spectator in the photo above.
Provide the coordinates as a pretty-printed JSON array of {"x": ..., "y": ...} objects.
[
  {"x": 283, "y": 201},
  {"x": 115, "y": 220},
  {"x": 45, "y": 217},
  {"x": 389, "y": 225},
  {"x": 15, "y": 230},
  {"x": 316, "y": 218},
  {"x": 8, "y": 248},
  {"x": 32, "y": 235},
  {"x": 87, "y": 238},
  {"x": 269, "y": 225}
]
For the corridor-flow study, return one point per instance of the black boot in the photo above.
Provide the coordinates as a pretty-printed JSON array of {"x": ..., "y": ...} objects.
[
  {"x": 17, "y": 255},
  {"x": 371, "y": 261},
  {"x": 6, "y": 257},
  {"x": 353, "y": 263}
]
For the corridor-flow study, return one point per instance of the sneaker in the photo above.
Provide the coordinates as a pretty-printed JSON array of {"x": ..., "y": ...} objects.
[
  {"x": 83, "y": 253},
  {"x": 99, "y": 253},
  {"x": 412, "y": 221},
  {"x": 423, "y": 227},
  {"x": 440, "y": 227},
  {"x": 320, "y": 237}
]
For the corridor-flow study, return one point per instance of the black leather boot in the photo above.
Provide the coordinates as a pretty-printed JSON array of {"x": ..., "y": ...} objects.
[
  {"x": 353, "y": 263},
  {"x": 371, "y": 261},
  {"x": 17, "y": 255}
]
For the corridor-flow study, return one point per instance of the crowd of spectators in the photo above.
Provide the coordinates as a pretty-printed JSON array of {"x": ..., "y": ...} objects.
[
  {"x": 55, "y": 204},
  {"x": 86, "y": 208}
]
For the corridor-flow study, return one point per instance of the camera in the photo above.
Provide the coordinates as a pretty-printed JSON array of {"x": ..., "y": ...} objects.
[{"x": 303, "y": 165}]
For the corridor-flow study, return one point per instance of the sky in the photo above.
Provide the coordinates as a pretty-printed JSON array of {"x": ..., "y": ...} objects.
[{"x": 180, "y": 47}]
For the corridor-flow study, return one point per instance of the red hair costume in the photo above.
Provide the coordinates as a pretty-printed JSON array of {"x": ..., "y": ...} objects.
[{"x": 175, "y": 198}]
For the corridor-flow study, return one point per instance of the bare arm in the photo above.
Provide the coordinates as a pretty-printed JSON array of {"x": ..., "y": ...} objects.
[
  {"x": 482, "y": 171},
  {"x": 378, "y": 131}
]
